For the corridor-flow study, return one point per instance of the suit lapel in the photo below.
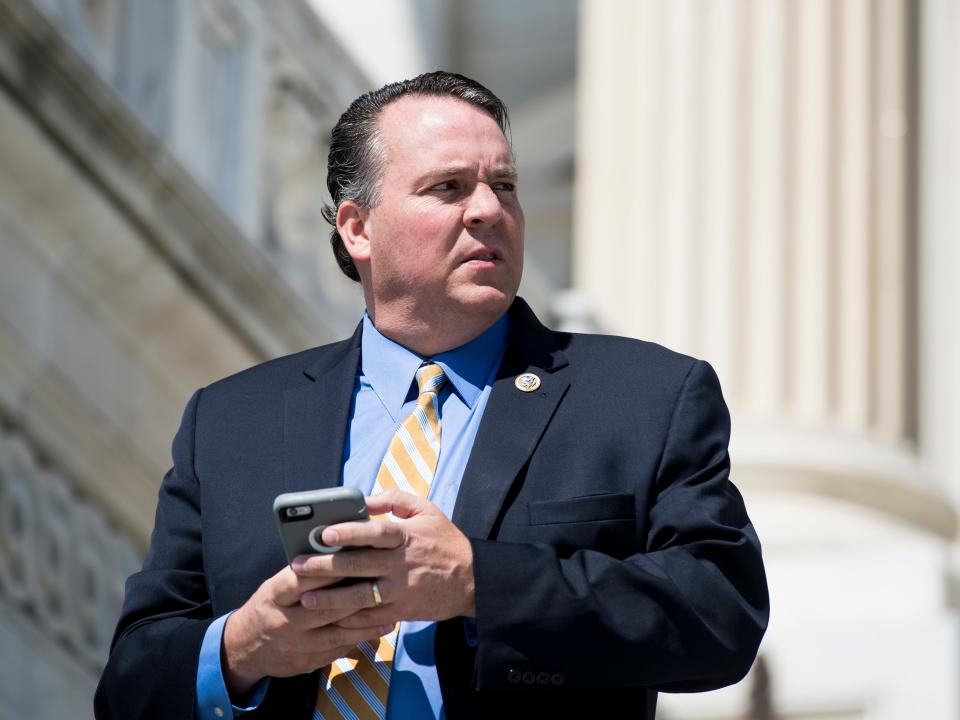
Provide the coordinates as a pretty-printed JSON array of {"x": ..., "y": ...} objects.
[
  {"x": 513, "y": 422},
  {"x": 316, "y": 415},
  {"x": 315, "y": 419}
]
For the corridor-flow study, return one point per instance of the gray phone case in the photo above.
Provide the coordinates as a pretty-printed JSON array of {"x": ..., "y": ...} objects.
[{"x": 302, "y": 516}]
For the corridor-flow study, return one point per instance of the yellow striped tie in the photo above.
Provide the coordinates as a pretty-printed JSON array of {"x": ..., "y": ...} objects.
[{"x": 356, "y": 686}]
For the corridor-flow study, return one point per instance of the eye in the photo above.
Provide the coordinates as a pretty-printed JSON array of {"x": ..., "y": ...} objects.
[
  {"x": 505, "y": 187},
  {"x": 446, "y": 185}
]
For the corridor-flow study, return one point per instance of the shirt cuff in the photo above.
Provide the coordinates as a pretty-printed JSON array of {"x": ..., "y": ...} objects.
[{"x": 213, "y": 700}]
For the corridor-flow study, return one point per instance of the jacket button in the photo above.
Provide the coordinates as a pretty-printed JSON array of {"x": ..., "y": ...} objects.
[
  {"x": 543, "y": 678},
  {"x": 558, "y": 679},
  {"x": 513, "y": 676},
  {"x": 529, "y": 677}
]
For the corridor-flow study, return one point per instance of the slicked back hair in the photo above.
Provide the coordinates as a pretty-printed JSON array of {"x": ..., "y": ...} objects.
[{"x": 356, "y": 161}]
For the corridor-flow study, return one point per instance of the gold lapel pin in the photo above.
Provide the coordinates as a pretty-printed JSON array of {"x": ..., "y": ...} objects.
[{"x": 528, "y": 382}]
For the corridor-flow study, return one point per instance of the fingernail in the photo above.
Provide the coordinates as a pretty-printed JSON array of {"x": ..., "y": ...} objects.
[
  {"x": 299, "y": 563},
  {"x": 309, "y": 601},
  {"x": 331, "y": 537}
]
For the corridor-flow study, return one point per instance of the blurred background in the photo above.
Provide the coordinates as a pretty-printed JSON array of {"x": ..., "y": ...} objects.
[{"x": 771, "y": 185}]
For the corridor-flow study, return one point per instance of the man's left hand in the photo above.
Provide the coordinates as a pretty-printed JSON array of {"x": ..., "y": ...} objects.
[{"x": 421, "y": 562}]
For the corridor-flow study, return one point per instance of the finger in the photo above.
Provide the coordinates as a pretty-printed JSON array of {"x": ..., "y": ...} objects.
[
  {"x": 313, "y": 619},
  {"x": 370, "y": 534},
  {"x": 348, "y": 597},
  {"x": 335, "y": 636},
  {"x": 328, "y": 656},
  {"x": 384, "y": 615},
  {"x": 300, "y": 620},
  {"x": 401, "y": 504},
  {"x": 286, "y": 587},
  {"x": 343, "y": 650},
  {"x": 349, "y": 563}
]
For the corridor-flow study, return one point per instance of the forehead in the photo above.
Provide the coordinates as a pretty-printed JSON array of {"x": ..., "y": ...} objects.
[{"x": 427, "y": 129}]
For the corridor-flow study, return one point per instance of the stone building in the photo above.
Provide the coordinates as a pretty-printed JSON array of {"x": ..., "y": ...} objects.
[
  {"x": 772, "y": 185},
  {"x": 767, "y": 184},
  {"x": 161, "y": 172}
]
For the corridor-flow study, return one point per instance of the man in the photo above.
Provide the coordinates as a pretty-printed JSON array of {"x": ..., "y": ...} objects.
[{"x": 578, "y": 547}]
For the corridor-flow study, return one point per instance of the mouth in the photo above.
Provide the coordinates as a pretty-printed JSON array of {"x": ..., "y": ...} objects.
[{"x": 483, "y": 257}]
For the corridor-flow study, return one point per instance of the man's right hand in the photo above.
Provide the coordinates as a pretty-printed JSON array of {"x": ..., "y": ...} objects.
[{"x": 273, "y": 634}]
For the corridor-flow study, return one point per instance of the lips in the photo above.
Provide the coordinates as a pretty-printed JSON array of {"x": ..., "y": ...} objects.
[{"x": 483, "y": 256}]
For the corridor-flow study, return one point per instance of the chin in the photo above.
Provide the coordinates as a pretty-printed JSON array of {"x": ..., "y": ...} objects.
[{"x": 486, "y": 300}]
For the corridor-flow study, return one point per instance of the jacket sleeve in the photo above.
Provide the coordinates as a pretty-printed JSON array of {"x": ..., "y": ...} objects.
[
  {"x": 152, "y": 669},
  {"x": 686, "y": 612}
]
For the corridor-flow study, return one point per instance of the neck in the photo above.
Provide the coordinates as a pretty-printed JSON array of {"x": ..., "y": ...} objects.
[{"x": 431, "y": 336}]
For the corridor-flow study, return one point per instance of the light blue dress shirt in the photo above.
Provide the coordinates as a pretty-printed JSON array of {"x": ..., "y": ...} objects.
[{"x": 383, "y": 395}]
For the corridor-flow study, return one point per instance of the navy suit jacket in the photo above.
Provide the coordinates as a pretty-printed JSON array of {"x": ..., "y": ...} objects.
[{"x": 613, "y": 556}]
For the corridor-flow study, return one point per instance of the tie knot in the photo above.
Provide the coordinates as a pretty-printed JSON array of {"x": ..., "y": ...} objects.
[{"x": 430, "y": 378}]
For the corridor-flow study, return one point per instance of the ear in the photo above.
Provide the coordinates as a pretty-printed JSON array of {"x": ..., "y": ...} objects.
[{"x": 352, "y": 226}]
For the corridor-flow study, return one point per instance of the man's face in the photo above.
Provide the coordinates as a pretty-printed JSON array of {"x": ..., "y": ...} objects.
[{"x": 447, "y": 235}]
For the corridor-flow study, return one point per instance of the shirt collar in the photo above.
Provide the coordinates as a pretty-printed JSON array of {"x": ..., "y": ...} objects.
[{"x": 390, "y": 367}]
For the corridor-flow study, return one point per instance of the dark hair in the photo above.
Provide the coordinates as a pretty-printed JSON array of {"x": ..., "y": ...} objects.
[{"x": 356, "y": 159}]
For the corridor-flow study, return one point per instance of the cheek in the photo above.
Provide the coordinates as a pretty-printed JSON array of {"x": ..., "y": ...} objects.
[
  {"x": 516, "y": 229},
  {"x": 436, "y": 225},
  {"x": 513, "y": 215}
]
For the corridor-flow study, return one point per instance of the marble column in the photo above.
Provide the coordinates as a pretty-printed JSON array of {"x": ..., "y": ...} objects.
[{"x": 742, "y": 196}]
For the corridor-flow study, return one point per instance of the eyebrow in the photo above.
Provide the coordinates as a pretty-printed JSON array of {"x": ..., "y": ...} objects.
[
  {"x": 502, "y": 172},
  {"x": 505, "y": 172}
]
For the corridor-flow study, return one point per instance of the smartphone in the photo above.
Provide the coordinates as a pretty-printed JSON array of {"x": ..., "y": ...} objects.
[{"x": 302, "y": 517}]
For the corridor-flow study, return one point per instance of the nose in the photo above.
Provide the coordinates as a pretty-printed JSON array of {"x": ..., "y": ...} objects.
[{"x": 483, "y": 207}]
